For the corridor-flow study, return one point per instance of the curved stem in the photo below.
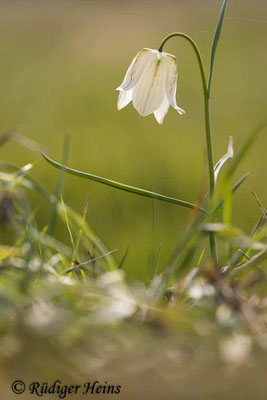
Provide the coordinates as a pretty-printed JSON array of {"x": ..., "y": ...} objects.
[{"x": 207, "y": 123}]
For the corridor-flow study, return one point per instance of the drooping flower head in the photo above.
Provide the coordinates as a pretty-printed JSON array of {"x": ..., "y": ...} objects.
[{"x": 150, "y": 83}]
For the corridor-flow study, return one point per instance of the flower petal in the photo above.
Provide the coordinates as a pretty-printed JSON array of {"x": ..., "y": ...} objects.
[
  {"x": 149, "y": 92},
  {"x": 162, "y": 110},
  {"x": 171, "y": 84},
  {"x": 124, "y": 99},
  {"x": 135, "y": 69}
]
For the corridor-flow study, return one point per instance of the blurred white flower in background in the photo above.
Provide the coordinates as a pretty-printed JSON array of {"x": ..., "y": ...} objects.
[
  {"x": 199, "y": 289},
  {"x": 236, "y": 349},
  {"x": 119, "y": 303},
  {"x": 150, "y": 83},
  {"x": 41, "y": 314}
]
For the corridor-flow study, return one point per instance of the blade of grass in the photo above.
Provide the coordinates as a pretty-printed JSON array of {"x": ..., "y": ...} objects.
[
  {"x": 237, "y": 257},
  {"x": 124, "y": 257},
  {"x": 229, "y": 231},
  {"x": 59, "y": 187},
  {"x": 67, "y": 221},
  {"x": 157, "y": 262},
  {"x": 21, "y": 140},
  {"x": 122, "y": 186},
  {"x": 48, "y": 241},
  {"x": 234, "y": 189},
  {"x": 258, "y": 201},
  {"x": 78, "y": 241},
  {"x": 187, "y": 246},
  {"x": 92, "y": 260},
  {"x": 254, "y": 232},
  {"x": 227, "y": 203},
  {"x": 172, "y": 267},
  {"x": 253, "y": 262},
  {"x": 76, "y": 221},
  {"x": 201, "y": 256},
  {"x": 234, "y": 163},
  {"x": 185, "y": 250},
  {"x": 215, "y": 42},
  {"x": 224, "y": 159}
]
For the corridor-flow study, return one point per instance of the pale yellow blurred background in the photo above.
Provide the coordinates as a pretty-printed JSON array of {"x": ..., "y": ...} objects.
[{"x": 59, "y": 66}]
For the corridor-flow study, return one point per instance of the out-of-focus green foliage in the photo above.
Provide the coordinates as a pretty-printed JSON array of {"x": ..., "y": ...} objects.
[
  {"x": 69, "y": 311},
  {"x": 60, "y": 65}
]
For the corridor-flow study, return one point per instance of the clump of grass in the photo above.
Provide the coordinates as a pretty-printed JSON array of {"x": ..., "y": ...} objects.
[
  {"x": 73, "y": 295},
  {"x": 48, "y": 283},
  {"x": 68, "y": 310},
  {"x": 70, "y": 302}
]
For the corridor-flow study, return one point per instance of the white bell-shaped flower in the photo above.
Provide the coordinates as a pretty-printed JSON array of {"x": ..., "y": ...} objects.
[{"x": 150, "y": 83}]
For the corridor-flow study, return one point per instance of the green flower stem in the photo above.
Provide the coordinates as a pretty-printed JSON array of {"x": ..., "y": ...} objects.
[{"x": 212, "y": 238}]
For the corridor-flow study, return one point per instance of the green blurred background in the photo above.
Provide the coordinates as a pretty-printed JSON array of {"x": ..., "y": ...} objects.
[{"x": 60, "y": 64}]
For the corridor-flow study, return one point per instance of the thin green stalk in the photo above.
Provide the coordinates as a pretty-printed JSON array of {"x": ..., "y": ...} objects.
[{"x": 207, "y": 125}]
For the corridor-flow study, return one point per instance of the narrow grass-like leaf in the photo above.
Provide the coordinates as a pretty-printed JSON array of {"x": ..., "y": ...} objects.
[
  {"x": 247, "y": 257},
  {"x": 92, "y": 260},
  {"x": 179, "y": 258},
  {"x": 201, "y": 256},
  {"x": 179, "y": 261},
  {"x": 224, "y": 159},
  {"x": 49, "y": 241},
  {"x": 234, "y": 189},
  {"x": 215, "y": 41},
  {"x": 78, "y": 241},
  {"x": 259, "y": 202},
  {"x": 227, "y": 203},
  {"x": 229, "y": 231},
  {"x": 76, "y": 221},
  {"x": 8, "y": 166},
  {"x": 222, "y": 229},
  {"x": 67, "y": 221},
  {"x": 59, "y": 186},
  {"x": 245, "y": 148},
  {"x": 20, "y": 139},
  {"x": 253, "y": 262},
  {"x": 25, "y": 169},
  {"x": 122, "y": 186},
  {"x": 124, "y": 257},
  {"x": 245, "y": 251},
  {"x": 236, "y": 160},
  {"x": 157, "y": 262}
]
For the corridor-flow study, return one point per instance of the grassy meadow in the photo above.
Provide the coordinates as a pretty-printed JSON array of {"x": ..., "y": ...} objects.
[{"x": 60, "y": 64}]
